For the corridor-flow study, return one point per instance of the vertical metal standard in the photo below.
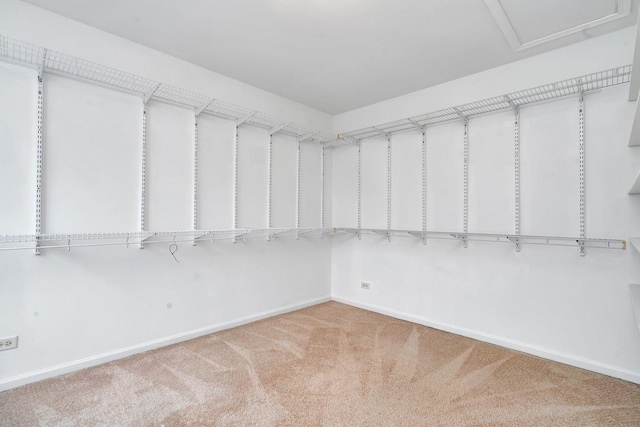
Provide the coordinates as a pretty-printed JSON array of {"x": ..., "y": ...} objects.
[
  {"x": 517, "y": 174},
  {"x": 389, "y": 188},
  {"x": 359, "y": 189},
  {"x": 322, "y": 192},
  {"x": 301, "y": 137},
  {"x": 196, "y": 112},
  {"x": 298, "y": 189},
  {"x": 235, "y": 172},
  {"x": 235, "y": 180},
  {"x": 195, "y": 174},
  {"x": 269, "y": 194},
  {"x": 40, "y": 114},
  {"x": 466, "y": 181},
  {"x": 424, "y": 186},
  {"x": 582, "y": 189},
  {"x": 143, "y": 170},
  {"x": 272, "y": 132}
]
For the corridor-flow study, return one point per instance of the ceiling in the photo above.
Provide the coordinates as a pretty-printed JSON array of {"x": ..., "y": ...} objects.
[{"x": 338, "y": 55}]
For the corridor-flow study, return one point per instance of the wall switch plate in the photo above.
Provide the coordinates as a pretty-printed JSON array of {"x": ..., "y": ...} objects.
[
  {"x": 365, "y": 285},
  {"x": 8, "y": 343}
]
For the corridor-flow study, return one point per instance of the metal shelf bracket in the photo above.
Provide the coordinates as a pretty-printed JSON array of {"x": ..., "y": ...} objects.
[
  {"x": 278, "y": 128},
  {"x": 241, "y": 120},
  {"x": 198, "y": 110},
  {"x": 303, "y": 137},
  {"x": 147, "y": 96}
]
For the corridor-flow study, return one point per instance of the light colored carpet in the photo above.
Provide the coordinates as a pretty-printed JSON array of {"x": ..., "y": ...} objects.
[{"x": 327, "y": 365}]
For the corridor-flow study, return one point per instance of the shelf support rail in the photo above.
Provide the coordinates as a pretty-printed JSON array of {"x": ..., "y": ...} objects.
[
  {"x": 424, "y": 185},
  {"x": 388, "y": 136},
  {"x": 582, "y": 170},
  {"x": 40, "y": 122},
  {"x": 359, "y": 190},
  {"x": 143, "y": 169},
  {"x": 516, "y": 156},
  {"x": 423, "y": 130},
  {"x": 196, "y": 112},
  {"x": 389, "y": 187},
  {"x": 322, "y": 189},
  {"x": 465, "y": 214},
  {"x": 235, "y": 171},
  {"x": 272, "y": 132},
  {"x": 301, "y": 138}
]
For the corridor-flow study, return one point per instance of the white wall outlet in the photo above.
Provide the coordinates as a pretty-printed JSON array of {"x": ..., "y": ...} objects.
[
  {"x": 8, "y": 343},
  {"x": 365, "y": 285}
]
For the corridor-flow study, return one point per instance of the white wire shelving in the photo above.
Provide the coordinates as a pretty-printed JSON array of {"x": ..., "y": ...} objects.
[
  {"x": 570, "y": 87},
  {"x": 577, "y": 87},
  {"x": 52, "y": 241},
  {"x": 48, "y": 61},
  {"x": 488, "y": 237},
  {"x": 72, "y": 240}
]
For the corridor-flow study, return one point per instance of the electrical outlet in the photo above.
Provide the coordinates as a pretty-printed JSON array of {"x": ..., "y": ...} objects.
[
  {"x": 8, "y": 343},
  {"x": 365, "y": 285}
]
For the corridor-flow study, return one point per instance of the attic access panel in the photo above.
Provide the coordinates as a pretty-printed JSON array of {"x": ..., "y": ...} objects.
[{"x": 531, "y": 23}]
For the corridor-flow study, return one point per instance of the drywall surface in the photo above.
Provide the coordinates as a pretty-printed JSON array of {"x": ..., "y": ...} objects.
[
  {"x": 544, "y": 300},
  {"x": 597, "y": 54},
  {"x": 90, "y": 305},
  {"x": 26, "y": 22}
]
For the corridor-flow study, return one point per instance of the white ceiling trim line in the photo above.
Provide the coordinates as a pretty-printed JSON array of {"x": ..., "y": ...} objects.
[{"x": 623, "y": 9}]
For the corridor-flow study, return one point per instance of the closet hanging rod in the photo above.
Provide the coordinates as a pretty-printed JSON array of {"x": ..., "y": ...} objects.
[
  {"x": 18, "y": 238},
  {"x": 135, "y": 238},
  {"x": 51, "y": 62},
  {"x": 492, "y": 237},
  {"x": 562, "y": 89},
  {"x": 130, "y": 242}
]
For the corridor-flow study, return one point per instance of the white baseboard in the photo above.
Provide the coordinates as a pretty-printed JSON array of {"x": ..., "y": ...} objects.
[
  {"x": 76, "y": 365},
  {"x": 64, "y": 368},
  {"x": 567, "y": 359}
]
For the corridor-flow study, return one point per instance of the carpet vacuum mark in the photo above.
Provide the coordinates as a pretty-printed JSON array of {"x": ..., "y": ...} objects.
[{"x": 327, "y": 365}]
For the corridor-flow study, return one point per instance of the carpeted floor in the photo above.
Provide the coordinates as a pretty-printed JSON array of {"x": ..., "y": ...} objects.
[{"x": 327, "y": 365}]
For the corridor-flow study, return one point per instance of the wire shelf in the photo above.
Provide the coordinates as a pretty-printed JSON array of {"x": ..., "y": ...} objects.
[
  {"x": 19, "y": 52},
  {"x": 18, "y": 241},
  {"x": 49, "y": 61},
  {"x": 182, "y": 97},
  {"x": 45, "y": 241},
  {"x": 574, "y": 86},
  {"x": 80, "y": 69},
  {"x": 488, "y": 237}
]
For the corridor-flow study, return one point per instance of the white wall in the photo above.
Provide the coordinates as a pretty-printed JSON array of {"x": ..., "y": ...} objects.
[
  {"x": 25, "y": 22},
  {"x": 599, "y": 53},
  {"x": 544, "y": 300},
  {"x": 73, "y": 309}
]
